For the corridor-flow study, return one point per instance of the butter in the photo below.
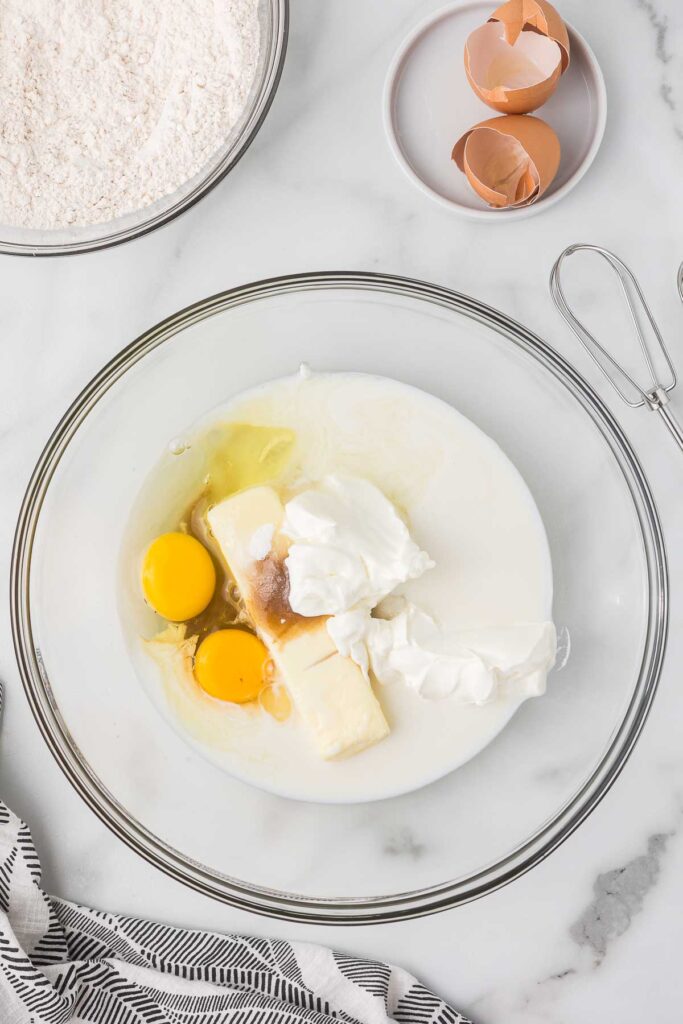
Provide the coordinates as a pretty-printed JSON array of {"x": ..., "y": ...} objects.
[{"x": 334, "y": 699}]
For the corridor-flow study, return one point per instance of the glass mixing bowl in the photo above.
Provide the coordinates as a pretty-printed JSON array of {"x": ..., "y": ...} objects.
[
  {"x": 273, "y": 20},
  {"x": 458, "y": 838}
]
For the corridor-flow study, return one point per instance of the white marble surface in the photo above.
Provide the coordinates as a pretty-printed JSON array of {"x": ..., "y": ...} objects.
[{"x": 593, "y": 933}]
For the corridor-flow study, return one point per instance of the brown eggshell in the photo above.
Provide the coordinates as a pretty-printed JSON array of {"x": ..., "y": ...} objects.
[
  {"x": 497, "y": 167},
  {"x": 509, "y": 161},
  {"x": 512, "y": 78},
  {"x": 537, "y": 16}
]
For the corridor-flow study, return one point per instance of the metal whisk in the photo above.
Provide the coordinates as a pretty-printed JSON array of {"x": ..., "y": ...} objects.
[{"x": 655, "y": 395}]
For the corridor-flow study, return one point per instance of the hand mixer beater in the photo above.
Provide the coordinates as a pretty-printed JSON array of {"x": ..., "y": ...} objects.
[{"x": 653, "y": 395}]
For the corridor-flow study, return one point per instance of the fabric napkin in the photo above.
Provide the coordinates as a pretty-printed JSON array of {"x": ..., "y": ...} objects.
[{"x": 60, "y": 963}]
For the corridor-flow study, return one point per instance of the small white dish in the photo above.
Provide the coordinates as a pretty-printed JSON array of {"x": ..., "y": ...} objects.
[{"x": 429, "y": 104}]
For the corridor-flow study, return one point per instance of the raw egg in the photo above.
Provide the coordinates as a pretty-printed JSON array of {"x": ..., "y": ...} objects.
[
  {"x": 178, "y": 576},
  {"x": 230, "y": 664}
]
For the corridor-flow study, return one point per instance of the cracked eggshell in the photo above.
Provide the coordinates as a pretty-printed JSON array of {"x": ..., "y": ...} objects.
[
  {"x": 509, "y": 161},
  {"x": 536, "y": 16},
  {"x": 514, "y": 61}
]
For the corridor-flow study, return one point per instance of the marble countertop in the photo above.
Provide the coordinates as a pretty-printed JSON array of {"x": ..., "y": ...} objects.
[{"x": 593, "y": 933}]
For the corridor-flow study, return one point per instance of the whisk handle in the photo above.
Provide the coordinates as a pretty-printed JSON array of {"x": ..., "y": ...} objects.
[
  {"x": 659, "y": 402},
  {"x": 672, "y": 423}
]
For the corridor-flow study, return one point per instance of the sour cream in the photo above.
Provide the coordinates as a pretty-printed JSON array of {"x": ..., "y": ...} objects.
[
  {"x": 349, "y": 551},
  {"x": 349, "y": 547},
  {"x": 468, "y": 666}
]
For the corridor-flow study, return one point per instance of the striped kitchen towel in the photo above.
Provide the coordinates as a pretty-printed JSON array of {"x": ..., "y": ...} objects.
[{"x": 61, "y": 962}]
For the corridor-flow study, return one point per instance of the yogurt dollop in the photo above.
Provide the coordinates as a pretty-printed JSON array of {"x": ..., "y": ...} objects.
[
  {"x": 470, "y": 666},
  {"x": 349, "y": 547},
  {"x": 349, "y": 551}
]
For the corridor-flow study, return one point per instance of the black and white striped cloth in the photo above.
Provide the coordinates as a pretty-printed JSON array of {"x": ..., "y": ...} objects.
[{"x": 60, "y": 963}]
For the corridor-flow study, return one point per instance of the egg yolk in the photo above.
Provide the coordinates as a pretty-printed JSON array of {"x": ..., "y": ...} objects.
[
  {"x": 230, "y": 665},
  {"x": 178, "y": 576}
]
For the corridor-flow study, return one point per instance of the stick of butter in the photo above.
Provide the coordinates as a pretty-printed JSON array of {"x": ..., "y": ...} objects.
[{"x": 334, "y": 699}]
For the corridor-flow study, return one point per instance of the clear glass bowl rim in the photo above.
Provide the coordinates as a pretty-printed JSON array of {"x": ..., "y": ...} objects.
[
  {"x": 262, "y": 103},
  {"x": 289, "y": 906}
]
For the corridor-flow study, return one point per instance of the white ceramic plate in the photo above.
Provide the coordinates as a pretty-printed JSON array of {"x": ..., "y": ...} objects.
[{"x": 429, "y": 104}]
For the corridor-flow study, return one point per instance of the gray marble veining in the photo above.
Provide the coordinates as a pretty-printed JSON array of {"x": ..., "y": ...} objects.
[
  {"x": 671, "y": 70},
  {"x": 619, "y": 896}
]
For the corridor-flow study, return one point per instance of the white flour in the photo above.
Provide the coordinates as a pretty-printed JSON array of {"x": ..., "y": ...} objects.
[{"x": 108, "y": 105}]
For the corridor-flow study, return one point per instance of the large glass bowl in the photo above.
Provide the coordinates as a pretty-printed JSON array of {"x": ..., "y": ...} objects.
[
  {"x": 273, "y": 22},
  {"x": 458, "y": 838}
]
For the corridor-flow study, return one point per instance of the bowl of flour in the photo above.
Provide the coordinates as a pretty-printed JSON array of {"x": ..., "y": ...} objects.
[{"x": 118, "y": 116}]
